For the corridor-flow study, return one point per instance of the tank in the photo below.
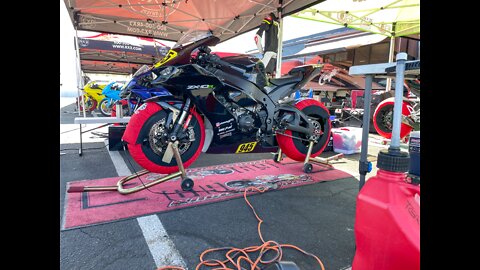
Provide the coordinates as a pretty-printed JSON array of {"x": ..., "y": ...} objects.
[{"x": 387, "y": 224}]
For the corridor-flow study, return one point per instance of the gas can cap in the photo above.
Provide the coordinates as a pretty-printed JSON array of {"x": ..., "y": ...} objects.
[{"x": 397, "y": 162}]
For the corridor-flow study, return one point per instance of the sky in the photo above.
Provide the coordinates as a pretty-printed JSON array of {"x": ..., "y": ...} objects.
[{"x": 293, "y": 28}]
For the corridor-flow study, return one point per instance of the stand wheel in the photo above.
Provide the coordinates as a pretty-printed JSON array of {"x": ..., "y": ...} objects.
[
  {"x": 307, "y": 167},
  {"x": 275, "y": 158},
  {"x": 187, "y": 184}
]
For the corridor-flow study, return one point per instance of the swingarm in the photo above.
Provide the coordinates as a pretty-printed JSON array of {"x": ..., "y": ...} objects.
[{"x": 289, "y": 118}]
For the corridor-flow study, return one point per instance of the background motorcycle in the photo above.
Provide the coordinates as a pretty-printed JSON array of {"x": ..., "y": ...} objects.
[
  {"x": 218, "y": 106},
  {"x": 383, "y": 115},
  {"x": 112, "y": 95},
  {"x": 134, "y": 93},
  {"x": 92, "y": 95}
]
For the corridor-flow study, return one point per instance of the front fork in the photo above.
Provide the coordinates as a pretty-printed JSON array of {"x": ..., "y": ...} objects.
[{"x": 182, "y": 121}]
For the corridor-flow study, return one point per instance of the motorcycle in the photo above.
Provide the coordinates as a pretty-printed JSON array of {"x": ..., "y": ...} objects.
[
  {"x": 132, "y": 97},
  {"x": 206, "y": 104},
  {"x": 112, "y": 95},
  {"x": 92, "y": 95},
  {"x": 383, "y": 115}
]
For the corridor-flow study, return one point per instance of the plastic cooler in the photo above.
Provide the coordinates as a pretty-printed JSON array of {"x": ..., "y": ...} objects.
[{"x": 347, "y": 140}]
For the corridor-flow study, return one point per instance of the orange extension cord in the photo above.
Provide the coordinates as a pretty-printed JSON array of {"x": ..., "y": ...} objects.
[{"x": 232, "y": 252}]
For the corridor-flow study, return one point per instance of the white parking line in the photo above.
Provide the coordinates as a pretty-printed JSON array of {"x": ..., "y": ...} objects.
[
  {"x": 161, "y": 246},
  {"x": 159, "y": 243}
]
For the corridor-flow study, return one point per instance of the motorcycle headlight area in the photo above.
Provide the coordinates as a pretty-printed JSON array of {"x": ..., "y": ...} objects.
[
  {"x": 166, "y": 73},
  {"x": 127, "y": 87}
]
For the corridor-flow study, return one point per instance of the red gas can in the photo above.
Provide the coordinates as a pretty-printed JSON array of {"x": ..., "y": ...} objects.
[{"x": 387, "y": 224}]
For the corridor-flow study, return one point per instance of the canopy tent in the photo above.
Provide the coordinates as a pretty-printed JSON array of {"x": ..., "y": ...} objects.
[
  {"x": 115, "y": 54},
  {"x": 169, "y": 19},
  {"x": 392, "y": 18},
  {"x": 341, "y": 44}
]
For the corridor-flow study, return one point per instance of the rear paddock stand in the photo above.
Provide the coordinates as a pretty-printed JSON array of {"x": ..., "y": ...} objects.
[
  {"x": 307, "y": 163},
  {"x": 187, "y": 183}
]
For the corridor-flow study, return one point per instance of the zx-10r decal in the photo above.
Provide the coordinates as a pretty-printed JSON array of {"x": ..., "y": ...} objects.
[{"x": 192, "y": 87}]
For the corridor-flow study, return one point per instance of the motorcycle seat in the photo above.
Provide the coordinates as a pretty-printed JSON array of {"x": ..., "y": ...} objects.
[
  {"x": 295, "y": 75},
  {"x": 286, "y": 79}
]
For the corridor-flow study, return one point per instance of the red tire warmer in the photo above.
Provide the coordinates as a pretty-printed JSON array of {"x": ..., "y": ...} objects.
[
  {"x": 287, "y": 144},
  {"x": 139, "y": 117},
  {"x": 404, "y": 129}
]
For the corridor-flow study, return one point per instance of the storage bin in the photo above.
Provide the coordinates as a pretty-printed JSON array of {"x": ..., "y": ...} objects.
[{"x": 347, "y": 140}]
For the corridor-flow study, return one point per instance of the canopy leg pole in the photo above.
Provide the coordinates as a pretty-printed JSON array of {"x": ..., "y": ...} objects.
[
  {"x": 278, "y": 68},
  {"x": 79, "y": 75},
  {"x": 390, "y": 60}
]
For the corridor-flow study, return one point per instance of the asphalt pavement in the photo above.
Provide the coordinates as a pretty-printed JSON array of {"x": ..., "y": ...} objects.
[{"x": 318, "y": 218}]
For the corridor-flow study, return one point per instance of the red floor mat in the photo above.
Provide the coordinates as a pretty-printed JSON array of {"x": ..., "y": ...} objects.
[{"x": 212, "y": 184}]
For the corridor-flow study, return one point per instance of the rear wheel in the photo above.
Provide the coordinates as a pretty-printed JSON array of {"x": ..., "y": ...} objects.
[
  {"x": 383, "y": 119},
  {"x": 146, "y": 135},
  {"x": 319, "y": 117},
  {"x": 90, "y": 103}
]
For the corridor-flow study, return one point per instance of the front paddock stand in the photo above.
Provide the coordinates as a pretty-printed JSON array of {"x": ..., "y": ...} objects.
[
  {"x": 187, "y": 183},
  {"x": 308, "y": 167}
]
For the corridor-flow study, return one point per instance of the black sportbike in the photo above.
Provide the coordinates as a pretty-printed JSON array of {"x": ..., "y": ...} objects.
[{"x": 220, "y": 105}]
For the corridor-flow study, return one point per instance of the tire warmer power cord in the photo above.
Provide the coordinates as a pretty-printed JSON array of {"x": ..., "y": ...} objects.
[
  {"x": 266, "y": 247},
  {"x": 235, "y": 256}
]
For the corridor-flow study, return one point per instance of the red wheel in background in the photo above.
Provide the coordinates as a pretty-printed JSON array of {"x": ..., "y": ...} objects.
[
  {"x": 297, "y": 149},
  {"x": 124, "y": 107},
  {"x": 147, "y": 145},
  {"x": 90, "y": 103},
  {"x": 383, "y": 119}
]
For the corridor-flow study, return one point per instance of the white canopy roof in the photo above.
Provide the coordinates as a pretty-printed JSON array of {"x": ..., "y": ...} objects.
[{"x": 330, "y": 45}]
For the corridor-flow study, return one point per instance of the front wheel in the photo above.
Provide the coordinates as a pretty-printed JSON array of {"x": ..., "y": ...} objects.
[
  {"x": 104, "y": 108},
  {"x": 294, "y": 144},
  {"x": 146, "y": 135}
]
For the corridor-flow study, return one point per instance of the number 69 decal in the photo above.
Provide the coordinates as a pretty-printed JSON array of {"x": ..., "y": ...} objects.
[{"x": 246, "y": 147}]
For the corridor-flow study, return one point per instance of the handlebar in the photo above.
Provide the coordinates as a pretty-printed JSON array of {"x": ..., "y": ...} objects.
[{"x": 216, "y": 60}]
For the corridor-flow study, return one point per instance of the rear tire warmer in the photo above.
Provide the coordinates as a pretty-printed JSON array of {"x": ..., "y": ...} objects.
[
  {"x": 385, "y": 107},
  {"x": 138, "y": 129},
  {"x": 296, "y": 149}
]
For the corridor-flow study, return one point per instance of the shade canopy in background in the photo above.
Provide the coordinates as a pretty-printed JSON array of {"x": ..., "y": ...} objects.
[
  {"x": 117, "y": 54},
  {"x": 392, "y": 18}
]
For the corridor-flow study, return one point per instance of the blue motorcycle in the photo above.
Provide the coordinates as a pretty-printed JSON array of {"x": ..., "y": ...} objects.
[
  {"x": 112, "y": 95},
  {"x": 136, "y": 91}
]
